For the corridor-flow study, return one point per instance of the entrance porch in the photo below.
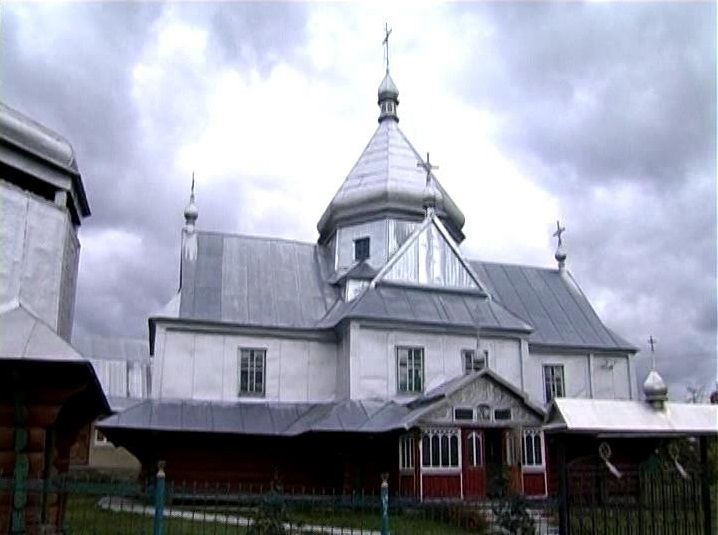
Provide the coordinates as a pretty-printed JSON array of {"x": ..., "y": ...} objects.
[{"x": 472, "y": 463}]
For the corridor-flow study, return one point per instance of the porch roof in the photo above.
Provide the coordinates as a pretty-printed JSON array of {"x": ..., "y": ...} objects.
[
  {"x": 261, "y": 418},
  {"x": 617, "y": 417}
]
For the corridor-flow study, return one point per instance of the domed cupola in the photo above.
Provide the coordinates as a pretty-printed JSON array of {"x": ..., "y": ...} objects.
[
  {"x": 388, "y": 99},
  {"x": 385, "y": 184}
]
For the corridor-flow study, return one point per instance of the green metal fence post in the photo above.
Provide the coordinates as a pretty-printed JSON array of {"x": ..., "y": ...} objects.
[
  {"x": 384, "y": 494},
  {"x": 159, "y": 498}
]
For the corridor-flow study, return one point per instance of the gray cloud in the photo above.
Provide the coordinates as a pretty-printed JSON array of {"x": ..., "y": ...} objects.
[
  {"x": 612, "y": 96},
  {"x": 619, "y": 99}
]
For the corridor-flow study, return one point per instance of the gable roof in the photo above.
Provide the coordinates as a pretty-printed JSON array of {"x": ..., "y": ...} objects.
[
  {"x": 275, "y": 283},
  {"x": 386, "y": 181},
  {"x": 447, "y": 389},
  {"x": 552, "y": 303},
  {"x": 452, "y": 270}
]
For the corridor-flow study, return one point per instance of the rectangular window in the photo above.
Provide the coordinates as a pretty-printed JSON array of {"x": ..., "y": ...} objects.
[
  {"x": 532, "y": 448},
  {"x": 472, "y": 361},
  {"x": 410, "y": 369},
  {"x": 502, "y": 414},
  {"x": 406, "y": 452},
  {"x": 440, "y": 449},
  {"x": 361, "y": 249},
  {"x": 251, "y": 371},
  {"x": 463, "y": 413},
  {"x": 554, "y": 386}
]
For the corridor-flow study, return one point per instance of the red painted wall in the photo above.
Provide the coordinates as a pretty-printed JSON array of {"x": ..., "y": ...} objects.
[{"x": 442, "y": 486}]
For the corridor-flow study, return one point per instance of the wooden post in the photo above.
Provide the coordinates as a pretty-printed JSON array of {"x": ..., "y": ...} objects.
[
  {"x": 563, "y": 506},
  {"x": 707, "y": 503},
  {"x": 159, "y": 498},
  {"x": 384, "y": 494}
]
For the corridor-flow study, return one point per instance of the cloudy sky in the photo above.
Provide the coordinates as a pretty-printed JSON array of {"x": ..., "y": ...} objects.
[{"x": 602, "y": 115}]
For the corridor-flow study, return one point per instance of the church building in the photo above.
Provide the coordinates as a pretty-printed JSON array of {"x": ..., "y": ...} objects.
[{"x": 379, "y": 348}]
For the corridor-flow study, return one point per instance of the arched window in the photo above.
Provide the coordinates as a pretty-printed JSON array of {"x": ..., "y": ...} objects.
[{"x": 532, "y": 447}]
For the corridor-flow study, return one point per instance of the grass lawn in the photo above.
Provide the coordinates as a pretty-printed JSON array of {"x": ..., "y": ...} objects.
[{"x": 83, "y": 516}]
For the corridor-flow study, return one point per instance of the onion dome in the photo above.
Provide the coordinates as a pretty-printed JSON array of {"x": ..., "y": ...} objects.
[
  {"x": 655, "y": 389},
  {"x": 388, "y": 99}
]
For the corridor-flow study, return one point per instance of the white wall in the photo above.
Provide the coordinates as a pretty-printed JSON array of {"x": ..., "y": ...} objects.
[
  {"x": 386, "y": 237},
  {"x": 39, "y": 256},
  {"x": 204, "y": 366},
  {"x": 376, "y": 231},
  {"x": 606, "y": 383},
  {"x": 373, "y": 359}
]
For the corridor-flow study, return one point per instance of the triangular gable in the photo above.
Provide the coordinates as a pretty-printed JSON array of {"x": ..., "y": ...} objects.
[
  {"x": 485, "y": 388},
  {"x": 430, "y": 257}
]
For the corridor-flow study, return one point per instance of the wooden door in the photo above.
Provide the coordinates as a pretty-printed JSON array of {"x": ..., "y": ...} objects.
[
  {"x": 472, "y": 464},
  {"x": 512, "y": 456}
]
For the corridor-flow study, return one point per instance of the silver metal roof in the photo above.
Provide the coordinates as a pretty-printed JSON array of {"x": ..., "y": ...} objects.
[
  {"x": 427, "y": 306},
  {"x": 23, "y": 336},
  {"x": 386, "y": 181},
  {"x": 36, "y": 138},
  {"x": 552, "y": 303},
  {"x": 256, "y": 281},
  {"x": 37, "y": 151},
  {"x": 112, "y": 348},
  {"x": 273, "y": 283},
  {"x": 260, "y": 418},
  {"x": 607, "y": 416}
]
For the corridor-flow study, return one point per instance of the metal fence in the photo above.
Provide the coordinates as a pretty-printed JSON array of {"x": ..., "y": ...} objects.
[{"x": 88, "y": 504}]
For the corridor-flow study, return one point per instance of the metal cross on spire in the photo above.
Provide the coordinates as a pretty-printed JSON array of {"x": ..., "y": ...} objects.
[
  {"x": 559, "y": 230},
  {"x": 652, "y": 343},
  {"x": 427, "y": 166},
  {"x": 387, "y": 33}
]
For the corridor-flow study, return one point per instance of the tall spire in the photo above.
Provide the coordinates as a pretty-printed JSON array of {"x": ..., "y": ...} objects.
[{"x": 388, "y": 93}]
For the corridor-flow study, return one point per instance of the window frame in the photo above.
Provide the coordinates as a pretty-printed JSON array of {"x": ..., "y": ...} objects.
[
  {"x": 453, "y": 438},
  {"x": 550, "y": 381},
  {"x": 409, "y": 375},
  {"x": 240, "y": 355},
  {"x": 359, "y": 242},
  {"x": 477, "y": 443},
  {"x": 475, "y": 357},
  {"x": 464, "y": 408},
  {"x": 407, "y": 445},
  {"x": 531, "y": 434},
  {"x": 495, "y": 419}
]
